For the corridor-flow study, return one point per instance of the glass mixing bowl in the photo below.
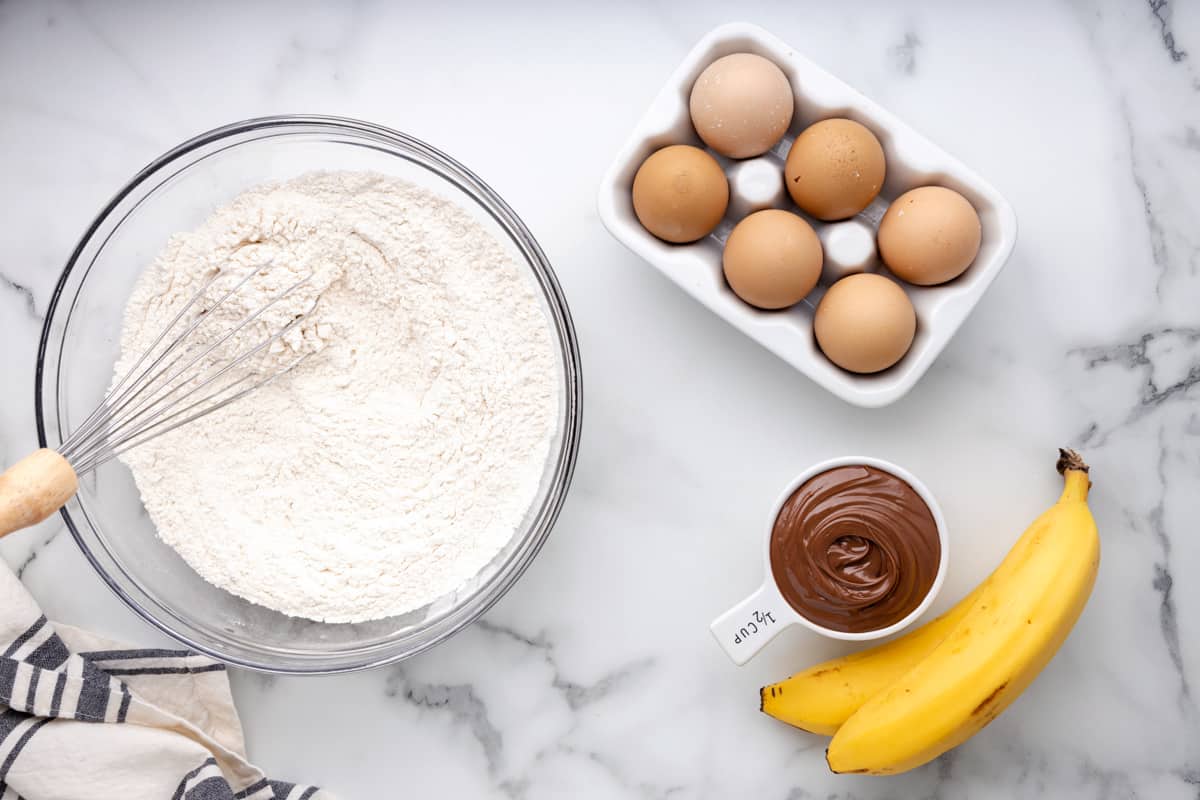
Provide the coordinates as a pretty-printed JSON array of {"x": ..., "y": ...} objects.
[{"x": 80, "y": 343}]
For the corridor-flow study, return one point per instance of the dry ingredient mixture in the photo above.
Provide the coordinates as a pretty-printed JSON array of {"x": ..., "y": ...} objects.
[{"x": 395, "y": 461}]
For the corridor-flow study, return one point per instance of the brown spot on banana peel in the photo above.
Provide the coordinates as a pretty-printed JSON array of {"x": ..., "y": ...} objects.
[{"x": 983, "y": 706}]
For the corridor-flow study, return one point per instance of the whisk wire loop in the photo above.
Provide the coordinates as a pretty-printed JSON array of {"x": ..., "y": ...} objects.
[
  {"x": 146, "y": 401},
  {"x": 93, "y": 419},
  {"x": 119, "y": 418}
]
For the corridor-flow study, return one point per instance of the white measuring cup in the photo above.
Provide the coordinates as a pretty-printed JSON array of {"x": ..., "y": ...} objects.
[{"x": 747, "y": 627}]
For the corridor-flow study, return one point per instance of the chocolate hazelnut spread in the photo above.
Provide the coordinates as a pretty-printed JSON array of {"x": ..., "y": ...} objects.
[{"x": 855, "y": 549}]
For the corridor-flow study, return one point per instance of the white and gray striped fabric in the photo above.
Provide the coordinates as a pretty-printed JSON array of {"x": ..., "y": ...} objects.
[{"x": 82, "y": 718}]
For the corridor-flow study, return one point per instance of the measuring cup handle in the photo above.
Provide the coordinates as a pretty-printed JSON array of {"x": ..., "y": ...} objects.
[{"x": 747, "y": 627}]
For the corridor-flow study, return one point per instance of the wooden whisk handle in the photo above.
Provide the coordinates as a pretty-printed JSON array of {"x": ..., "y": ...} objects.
[{"x": 34, "y": 488}]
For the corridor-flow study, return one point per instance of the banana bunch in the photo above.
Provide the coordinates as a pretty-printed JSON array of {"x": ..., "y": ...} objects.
[{"x": 902, "y": 704}]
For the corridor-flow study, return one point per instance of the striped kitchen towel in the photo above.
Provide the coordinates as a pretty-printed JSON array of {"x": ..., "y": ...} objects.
[{"x": 82, "y": 718}]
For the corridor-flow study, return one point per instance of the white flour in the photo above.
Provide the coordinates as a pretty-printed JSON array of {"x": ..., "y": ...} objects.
[{"x": 399, "y": 458}]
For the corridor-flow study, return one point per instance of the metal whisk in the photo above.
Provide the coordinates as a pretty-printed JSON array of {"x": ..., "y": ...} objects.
[{"x": 177, "y": 380}]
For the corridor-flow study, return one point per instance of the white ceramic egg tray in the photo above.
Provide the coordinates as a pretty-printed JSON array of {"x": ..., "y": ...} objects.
[{"x": 757, "y": 183}]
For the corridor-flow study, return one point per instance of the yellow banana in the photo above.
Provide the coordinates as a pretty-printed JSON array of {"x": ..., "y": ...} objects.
[
  {"x": 1022, "y": 615},
  {"x": 822, "y": 697}
]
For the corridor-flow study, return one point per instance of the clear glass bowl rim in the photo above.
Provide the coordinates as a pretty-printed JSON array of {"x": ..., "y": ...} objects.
[{"x": 465, "y": 180}]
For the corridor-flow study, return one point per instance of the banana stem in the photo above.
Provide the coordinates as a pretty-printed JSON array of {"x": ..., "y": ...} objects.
[
  {"x": 1075, "y": 472},
  {"x": 1070, "y": 460}
]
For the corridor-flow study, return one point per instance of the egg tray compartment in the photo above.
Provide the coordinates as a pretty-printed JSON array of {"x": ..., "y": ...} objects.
[{"x": 849, "y": 245}]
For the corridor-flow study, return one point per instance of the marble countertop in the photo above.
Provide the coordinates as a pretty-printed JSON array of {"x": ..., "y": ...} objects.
[{"x": 596, "y": 676}]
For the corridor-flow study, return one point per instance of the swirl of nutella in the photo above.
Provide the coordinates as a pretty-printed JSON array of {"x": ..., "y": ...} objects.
[{"x": 855, "y": 549}]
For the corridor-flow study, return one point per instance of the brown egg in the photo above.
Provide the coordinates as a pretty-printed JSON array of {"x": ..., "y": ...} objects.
[
  {"x": 865, "y": 323},
  {"x": 741, "y": 105},
  {"x": 772, "y": 259},
  {"x": 680, "y": 193},
  {"x": 929, "y": 235},
  {"x": 835, "y": 169}
]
